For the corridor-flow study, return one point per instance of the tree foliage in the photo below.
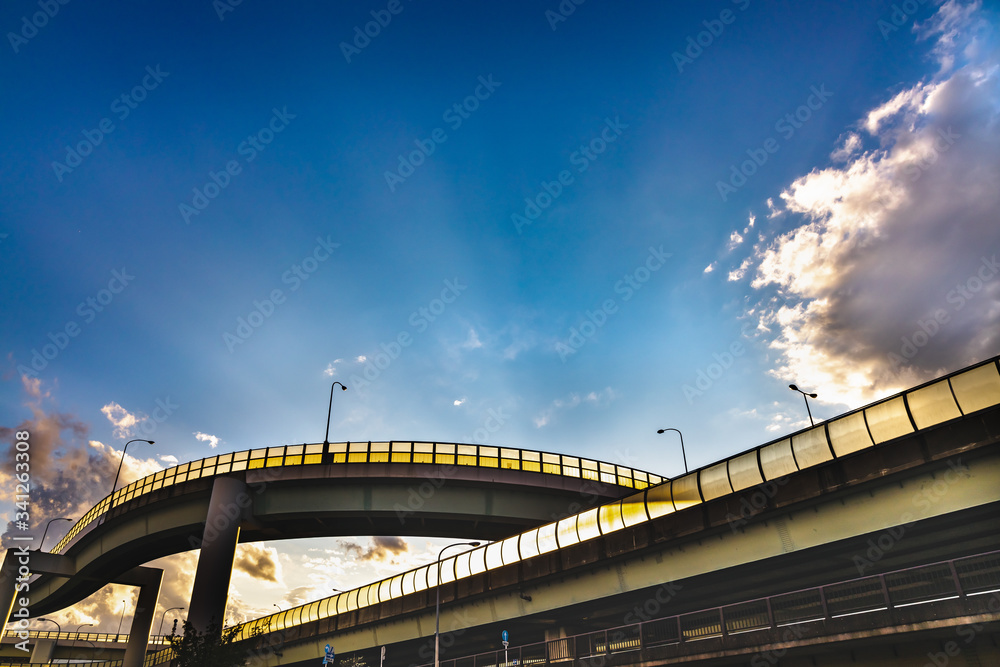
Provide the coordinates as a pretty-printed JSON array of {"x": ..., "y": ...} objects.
[{"x": 213, "y": 648}]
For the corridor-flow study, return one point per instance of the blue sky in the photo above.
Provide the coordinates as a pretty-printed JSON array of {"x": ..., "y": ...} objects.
[{"x": 493, "y": 222}]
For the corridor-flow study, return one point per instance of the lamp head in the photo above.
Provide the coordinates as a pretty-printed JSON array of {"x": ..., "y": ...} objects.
[
  {"x": 811, "y": 395},
  {"x": 473, "y": 544},
  {"x": 662, "y": 430},
  {"x": 793, "y": 387}
]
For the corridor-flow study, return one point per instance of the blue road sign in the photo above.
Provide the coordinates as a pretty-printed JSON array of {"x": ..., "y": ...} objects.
[
  {"x": 329, "y": 656},
  {"x": 504, "y": 636}
]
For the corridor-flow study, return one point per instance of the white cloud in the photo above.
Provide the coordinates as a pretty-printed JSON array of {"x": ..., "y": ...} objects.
[
  {"x": 709, "y": 268},
  {"x": 361, "y": 359},
  {"x": 472, "y": 342},
  {"x": 459, "y": 401},
  {"x": 126, "y": 423},
  {"x": 886, "y": 242},
  {"x": 597, "y": 398},
  {"x": 212, "y": 440},
  {"x": 169, "y": 459},
  {"x": 735, "y": 238}
]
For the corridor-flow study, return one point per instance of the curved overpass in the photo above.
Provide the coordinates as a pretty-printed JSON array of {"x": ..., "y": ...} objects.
[{"x": 339, "y": 489}]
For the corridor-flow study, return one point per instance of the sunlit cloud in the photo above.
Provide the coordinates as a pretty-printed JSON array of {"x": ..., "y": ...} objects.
[{"x": 212, "y": 440}]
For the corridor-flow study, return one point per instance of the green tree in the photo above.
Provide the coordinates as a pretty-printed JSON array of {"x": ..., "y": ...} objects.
[{"x": 213, "y": 648}]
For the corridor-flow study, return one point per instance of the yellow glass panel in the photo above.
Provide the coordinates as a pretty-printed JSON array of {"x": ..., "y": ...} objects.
[
  {"x": 510, "y": 453},
  {"x": 182, "y": 468},
  {"x": 157, "y": 485},
  {"x": 408, "y": 586},
  {"x": 849, "y": 434},
  {"x": 610, "y": 517},
  {"x": 402, "y": 446},
  {"x": 337, "y": 447},
  {"x": 445, "y": 448},
  {"x": 530, "y": 456},
  {"x": 634, "y": 509},
  {"x": 357, "y": 457},
  {"x": 310, "y": 459},
  {"x": 396, "y": 586},
  {"x": 241, "y": 456},
  {"x": 181, "y": 477},
  {"x": 385, "y": 590},
  {"x": 933, "y": 404},
  {"x": 275, "y": 451},
  {"x": 551, "y": 468},
  {"x": 378, "y": 447},
  {"x": 811, "y": 447},
  {"x": 659, "y": 501},
  {"x": 685, "y": 491},
  {"x": 466, "y": 460},
  {"x": 294, "y": 450},
  {"x": 258, "y": 453},
  {"x": 340, "y": 458},
  {"x": 566, "y": 532},
  {"x": 446, "y": 569},
  {"x": 352, "y": 599},
  {"x": 743, "y": 471},
  {"x": 888, "y": 420},
  {"x": 357, "y": 447},
  {"x": 274, "y": 462},
  {"x": 551, "y": 458},
  {"x": 208, "y": 472},
  {"x": 421, "y": 578},
  {"x": 314, "y": 449},
  {"x": 510, "y": 464},
  {"x": 239, "y": 465},
  {"x": 489, "y": 462},
  {"x": 588, "y": 464},
  {"x": 590, "y": 474},
  {"x": 160, "y": 474},
  {"x": 256, "y": 463},
  {"x": 423, "y": 457},
  {"x": 462, "y": 566},
  {"x": 378, "y": 457},
  {"x": 445, "y": 459},
  {"x": 547, "y": 538},
  {"x": 224, "y": 458},
  {"x": 477, "y": 560},
  {"x": 715, "y": 481},
  {"x": 571, "y": 472},
  {"x": 373, "y": 594},
  {"x": 608, "y": 478},
  {"x": 401, "y": 457},
  {"x": 508, "y": 550},
  {"x": 978, "y": 388},
  {"x": 605, "y": 467},
  {"x": 529, "y": 544},
  {"x": 293, "y": 460},
  {"x": 423, "y": 447},
  {"x": 571, "y": 461},
  {"x": 494, "y": 556},
  {"x": 194, "y": 474},
  {"x": 196, "y": 464},
  {"x": 777, "y": 461},
  {"x": 587, "y": 527},
  {"x": 532, "y": 466},
  {"x": 326, "y": 607}
]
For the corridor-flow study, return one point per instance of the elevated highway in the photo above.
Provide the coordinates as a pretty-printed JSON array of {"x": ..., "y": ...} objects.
[{"x": 907, "y": 481}]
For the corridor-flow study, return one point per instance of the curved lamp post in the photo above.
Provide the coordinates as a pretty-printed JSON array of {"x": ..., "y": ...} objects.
[
  {"x": 326, "y": 440},
  {"x": 683, "y": 454},
  {"x": 122, "y": 619},
  {"x": 163, "y": 617},
  {"x": 437, "y": 603},
  {"x": 46, "y": 531},
  {"x": 805, "y": 397},
  {"x": 82, "y": 625},
  {"x": 123, "y": 460}
]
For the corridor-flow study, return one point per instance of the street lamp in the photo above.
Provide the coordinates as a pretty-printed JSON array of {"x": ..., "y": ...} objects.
[
  {"x": 804, "y": 395},
  {"x": 122, "y": 619},
  {"x": 82, "y": 625},
  {"x": 326, "y": 441},
  {"x": 275, "y": 604},
  {"x": 45, "y": 532},
  {"x": 437, "y": 603},
  {"x": 163, "y": 617},
  {"x": 664, "y": 430},
  {"x": 123, "y": 460}
]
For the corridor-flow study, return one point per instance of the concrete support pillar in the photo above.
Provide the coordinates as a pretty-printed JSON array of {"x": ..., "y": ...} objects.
[
  {"x": 43, "y": 650},
  {"x": 8, "y": 589},
  {"x": 226, "y": 510},
  {"x": 142, "y": 621}
]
